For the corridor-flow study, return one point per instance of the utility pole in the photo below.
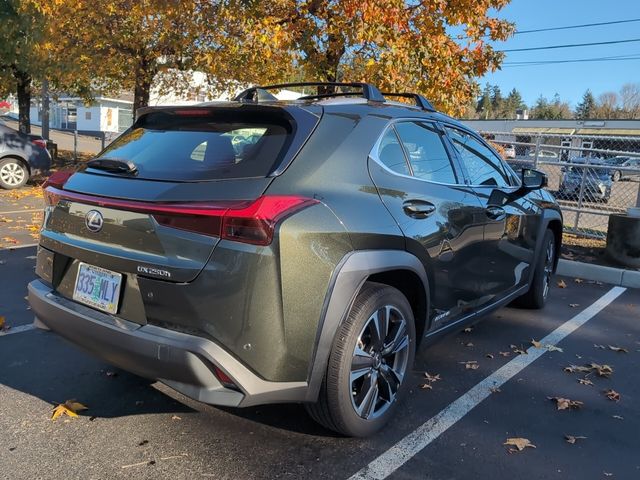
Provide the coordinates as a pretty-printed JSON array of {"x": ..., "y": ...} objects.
[{"x": 45, "y": 109}]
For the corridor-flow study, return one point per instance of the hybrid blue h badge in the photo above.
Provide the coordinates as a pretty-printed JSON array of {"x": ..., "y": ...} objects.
[{"x": 94, "y": 221}]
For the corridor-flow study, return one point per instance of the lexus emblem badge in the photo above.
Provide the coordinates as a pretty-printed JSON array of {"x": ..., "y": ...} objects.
[{"x": 94, "y": 221}]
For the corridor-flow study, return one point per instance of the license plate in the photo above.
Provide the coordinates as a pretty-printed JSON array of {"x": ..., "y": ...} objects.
[{"x": 97, "y": 287}]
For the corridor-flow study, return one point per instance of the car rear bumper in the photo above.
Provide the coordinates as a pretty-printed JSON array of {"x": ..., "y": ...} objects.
[{"x": 184, "y": 362}]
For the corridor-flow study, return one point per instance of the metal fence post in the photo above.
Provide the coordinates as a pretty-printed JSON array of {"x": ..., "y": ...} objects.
[
  {"x": 580, "y": 196},
  {"x": 535, "y": 158},
  {"x": 75, "y": 145},
  {"x": 103, "y": 140}
]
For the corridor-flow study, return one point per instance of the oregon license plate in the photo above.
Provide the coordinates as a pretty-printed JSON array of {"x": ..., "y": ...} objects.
[{"x": 97, "y": 287}]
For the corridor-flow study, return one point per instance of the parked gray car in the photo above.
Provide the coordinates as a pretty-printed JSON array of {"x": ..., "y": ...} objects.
[
  {"x": 590, "y": 177},
  {"x": 21, "y": 157},
  {"x": 263, "y": 251}
]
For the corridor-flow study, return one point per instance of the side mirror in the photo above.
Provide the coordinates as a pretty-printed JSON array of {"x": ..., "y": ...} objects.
[{"x": 534, "y": 179}]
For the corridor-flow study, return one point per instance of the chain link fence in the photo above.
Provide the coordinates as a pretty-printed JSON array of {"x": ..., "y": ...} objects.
[{"x": 590, "y": 176}]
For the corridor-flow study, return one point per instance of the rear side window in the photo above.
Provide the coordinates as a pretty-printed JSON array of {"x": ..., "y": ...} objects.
[
  {"x": 390, "y": 153},
  {"x": 204, "y": 145}
]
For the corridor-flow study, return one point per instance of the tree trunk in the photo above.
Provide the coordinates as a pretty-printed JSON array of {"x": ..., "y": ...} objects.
[
  {"x": 144, "y": 78},
  {"x": 23, "y": 81}
]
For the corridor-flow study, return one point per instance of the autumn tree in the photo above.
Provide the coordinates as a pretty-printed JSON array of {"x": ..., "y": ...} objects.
[
  {"x": 398, "y": 45},
  {"x": 630, "y": 99},
  {"x": 607, "y": 105},
  {"x": 21, "y": 55}
]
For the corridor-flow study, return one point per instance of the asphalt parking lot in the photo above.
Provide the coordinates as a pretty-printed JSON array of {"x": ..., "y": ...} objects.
[{"x": 135, "y": 428}]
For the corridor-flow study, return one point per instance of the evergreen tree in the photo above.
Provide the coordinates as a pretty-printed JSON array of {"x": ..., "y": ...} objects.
[{"x": 587, "y": 107}]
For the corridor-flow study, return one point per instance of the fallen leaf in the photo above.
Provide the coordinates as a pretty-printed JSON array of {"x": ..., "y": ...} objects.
[
  {"x": 565, "y": 403},
  {"x": 143, "y": 442},
  {"x": 111, "y": 374},
  {"x": 607, "y": 474},
  {"x": 468, "y": 344},
  {"x": 495, "y": 390},
  {"x": 602, "y": 370},
  {"x": 69, "y": 408},
  {"x": 505, "y": 354},
  {"x": 572, "y": 438},
  {"x": 574, "y": 305},
  {"x": 489, "y": 355},
  {"x": 612, "y": 395},
  {"x": 432, "y": 378},
  {"x": 599, "y": 346},
  {"x": 561, "y": 284},
  {"x": 585, "y": 381},
  {"x": 2, "y": 323},
  {"x": 536, "y": 344},
  {"x": 553, "y": 348},
  {"x": 577, "y": 368},
  {"x": 470, "y": 365},
  {"x": 426, "y": 386},
  {"x": 617, "y": 417},
  {"x": 618, "y": 349},
  {"x": 468, "y": 330},
  {"x": 578, "y": 280},
  {"x": 519, "y": 443},
  {"x": 176, "y": 417}
]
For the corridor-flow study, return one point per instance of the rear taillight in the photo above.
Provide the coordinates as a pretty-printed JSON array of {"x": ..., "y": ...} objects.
[
  {"x": 251, "y": 222},
  {"x": 40, "y": 143},
  {"x": 247, "y": 222},
  {"x": 52, "y": 186},
  {"x": 224, "y": 379}
]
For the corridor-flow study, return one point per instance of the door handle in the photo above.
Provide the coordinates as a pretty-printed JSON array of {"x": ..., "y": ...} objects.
[
  {"x": 418, "y": 208},
  {"x": 495, "y": 213}
]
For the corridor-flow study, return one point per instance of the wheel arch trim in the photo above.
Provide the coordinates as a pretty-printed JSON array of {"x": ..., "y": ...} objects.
[{"x": 347, "y": 280}]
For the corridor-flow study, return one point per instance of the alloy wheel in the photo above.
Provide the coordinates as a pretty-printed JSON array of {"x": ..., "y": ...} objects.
[
  {"x": 379, "y": 362},
  {"x": 12, "y": 174}
]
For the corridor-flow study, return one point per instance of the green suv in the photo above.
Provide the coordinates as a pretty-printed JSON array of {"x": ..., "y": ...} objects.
[{"x": 262, "y": 251}]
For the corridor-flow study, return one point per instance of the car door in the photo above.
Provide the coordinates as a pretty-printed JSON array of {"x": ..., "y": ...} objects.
[
  {"x": 511, "y": 221},
  {"x": 423, "y": 189}
]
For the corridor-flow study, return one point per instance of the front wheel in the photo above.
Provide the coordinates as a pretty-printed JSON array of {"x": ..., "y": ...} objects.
[
  {"x": 368, "y": 366},
  {"x": 617, "y": 175},
  {"x": 538, "y": 292},
  {"x": 13, "y": 173}
]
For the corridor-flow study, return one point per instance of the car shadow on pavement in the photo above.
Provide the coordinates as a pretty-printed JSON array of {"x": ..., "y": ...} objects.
[{"x": 45, "y": 366}]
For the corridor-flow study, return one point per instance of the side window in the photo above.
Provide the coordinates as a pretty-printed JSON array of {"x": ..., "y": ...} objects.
[
  {"x": 481, "y": 164},
  {"x": 427, "y": 154},
  {"x": 390, "y": 153}
]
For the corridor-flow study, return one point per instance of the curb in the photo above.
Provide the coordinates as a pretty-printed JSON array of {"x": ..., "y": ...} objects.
[{"x": 598, "y": 273}]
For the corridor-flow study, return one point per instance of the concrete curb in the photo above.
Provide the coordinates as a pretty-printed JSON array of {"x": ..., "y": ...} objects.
[{"x": 598, "y": 273}]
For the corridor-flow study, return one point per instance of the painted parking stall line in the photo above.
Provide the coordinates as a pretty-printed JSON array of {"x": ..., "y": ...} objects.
[
  {"x": 19, "y": 329},
  {"x": 400, "y": 453}
]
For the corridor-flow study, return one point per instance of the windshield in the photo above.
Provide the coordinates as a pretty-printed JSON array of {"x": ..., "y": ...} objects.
[
  {"x": 196, "y": 146},
  {"x": 601, "y": 172}
]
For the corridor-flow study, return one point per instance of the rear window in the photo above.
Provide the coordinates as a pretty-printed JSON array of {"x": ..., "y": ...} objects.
[{"x": 193, "y": 145}]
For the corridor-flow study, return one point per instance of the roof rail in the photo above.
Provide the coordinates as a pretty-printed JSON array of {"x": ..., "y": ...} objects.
[
  {"x": 421, "y": 102},
  {"x": 256, "y": 94}
]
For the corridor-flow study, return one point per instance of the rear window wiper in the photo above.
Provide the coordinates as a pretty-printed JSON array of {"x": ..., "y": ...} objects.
[{"x": 115, "y": 165}]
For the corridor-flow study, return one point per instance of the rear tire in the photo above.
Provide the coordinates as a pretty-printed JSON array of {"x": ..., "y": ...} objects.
[
  {"x": 538, "y": 292},
  {"x": 367, "y": 373},
  {"x": 617, "y": 175},
  {"x": 13, "y": 173}
]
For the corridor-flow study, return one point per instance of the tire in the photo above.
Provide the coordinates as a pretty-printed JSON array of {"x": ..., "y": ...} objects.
[
  {"x": 13, "y": 173},
  {"x": 372, "y": 403},
  {"x": 617, "y": 176},
  {"x": 538, "y": 292}
]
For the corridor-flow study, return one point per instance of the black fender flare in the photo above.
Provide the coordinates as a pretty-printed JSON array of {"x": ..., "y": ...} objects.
[{"x": 346, "y": 282}]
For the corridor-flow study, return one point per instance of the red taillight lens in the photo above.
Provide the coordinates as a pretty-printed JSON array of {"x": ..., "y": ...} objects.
[
  {"x": 251, "y": 222},
  {"x": 53, "y": 184},
  {"x": 256, "y": 223},
  {"x": 40, "y": 143}
]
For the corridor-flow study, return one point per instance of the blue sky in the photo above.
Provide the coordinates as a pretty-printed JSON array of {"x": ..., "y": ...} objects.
[{"x": 570, "y": 80}]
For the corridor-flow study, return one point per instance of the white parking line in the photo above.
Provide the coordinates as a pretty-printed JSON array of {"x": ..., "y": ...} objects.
[
  {"x": 20, "y": 329},
  {"x": 409, "y": 446},
  {"x": 21, "y": 211},
  {"x": 16, "y": 247}
]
